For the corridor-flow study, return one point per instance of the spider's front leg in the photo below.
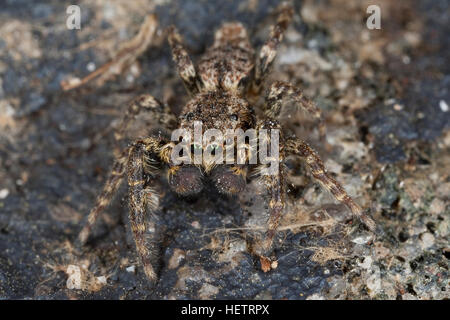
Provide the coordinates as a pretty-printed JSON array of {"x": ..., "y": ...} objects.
[
  {"x": 314, "y": 163},
  {"x": 275, "y": 185},
  {"x": 274, "y": 181},
  {"x": 143, "y": 103},
  {"x": 269, "y": 49},
  {"x": 141, "y": 198},
  {"x": 280, "y": 91},
  {"x": 184, "y": 63}
]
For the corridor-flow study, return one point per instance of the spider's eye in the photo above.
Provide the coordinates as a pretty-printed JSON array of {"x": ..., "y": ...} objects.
[
  {"x": 195, "y": 146},
  {"x": 189, "y": 116},
  {"x": 234, "y": 117},
  {"x": 214, "y": 148}
]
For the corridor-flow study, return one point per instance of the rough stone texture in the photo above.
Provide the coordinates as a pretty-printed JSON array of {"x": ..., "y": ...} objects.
[{"x": 384, "y": 94}]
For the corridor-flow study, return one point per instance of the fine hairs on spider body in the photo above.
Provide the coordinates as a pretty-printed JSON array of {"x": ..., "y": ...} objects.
[{"x": 220, "y": 86}]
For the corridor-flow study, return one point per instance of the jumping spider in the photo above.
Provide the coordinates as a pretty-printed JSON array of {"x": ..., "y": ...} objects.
[{"x": 220, "y": 88}]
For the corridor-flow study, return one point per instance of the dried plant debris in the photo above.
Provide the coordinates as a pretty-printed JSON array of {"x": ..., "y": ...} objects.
[{"x": 123, "y": 59}]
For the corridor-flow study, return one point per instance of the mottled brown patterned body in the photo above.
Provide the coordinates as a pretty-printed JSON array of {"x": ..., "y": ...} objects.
[{"x": 227, "y": 65}]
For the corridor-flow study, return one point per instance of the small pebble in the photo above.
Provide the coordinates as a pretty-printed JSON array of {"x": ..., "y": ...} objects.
[
  {"x": 90, "y": 66},
  {"x": 4, "y": 193},
  {"x": 406, "y": 59},
  {"x": 195, "y": 224},
  {"x": 367, "y": 263},
  {"x": 443, "y": 105},
  {"x": 363, "y": 239},
  {"x": 131, "y": 269},
  {"x": 101, "y": 279},
  {"x": 426, "y": 240},
  {"x": 130, "y": 78},
  {"x": 176, "y": 258},
  {"x": 437, "y": 206},
  {"x": 274, "y": 264},
  {"x": 398, "y": 107},
  {"x": 74, "y": 281}
]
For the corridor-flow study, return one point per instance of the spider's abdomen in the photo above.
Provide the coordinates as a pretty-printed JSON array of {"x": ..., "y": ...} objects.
[{"x": 229, "y": 62}]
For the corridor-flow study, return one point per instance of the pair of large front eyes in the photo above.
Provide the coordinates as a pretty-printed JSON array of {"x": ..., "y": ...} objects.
[
  {"x": 212, "y": 148},
  {"x": 190, "y": 116}
]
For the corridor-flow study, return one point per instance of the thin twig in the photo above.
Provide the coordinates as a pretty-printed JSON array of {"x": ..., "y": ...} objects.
[{"x": 126, "y": 56}]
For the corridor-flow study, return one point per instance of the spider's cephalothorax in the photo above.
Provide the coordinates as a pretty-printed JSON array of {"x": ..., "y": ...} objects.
[{"x": 218, "y": 88}]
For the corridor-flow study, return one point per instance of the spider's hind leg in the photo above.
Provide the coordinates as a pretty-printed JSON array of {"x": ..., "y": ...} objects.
[
  {"x": 143, "y": 103},
  {"x": 319, "y": 172},
  {"x": 184, "y": 63},
  {"x": 103, "y": 200}
]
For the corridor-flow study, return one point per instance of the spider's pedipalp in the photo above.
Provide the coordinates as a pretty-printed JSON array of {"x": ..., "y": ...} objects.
[
  {"x": 185, "y": 180},
  {"x": 315, "y": 164},
  {"x": 281, "y": 90},
  {"x": 185, "y": 66},
  {"x": 269, "y": 49},
  {"x": 229, "y": 180}
]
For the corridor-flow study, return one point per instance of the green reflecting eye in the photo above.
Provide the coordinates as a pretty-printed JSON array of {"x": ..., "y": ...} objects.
[
  {"x": 196, "y": 148},
  {"x": 214, "y": 149}
]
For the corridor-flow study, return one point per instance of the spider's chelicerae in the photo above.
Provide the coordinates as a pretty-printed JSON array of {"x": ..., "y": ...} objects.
[{"x": 220, "y": 87}]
